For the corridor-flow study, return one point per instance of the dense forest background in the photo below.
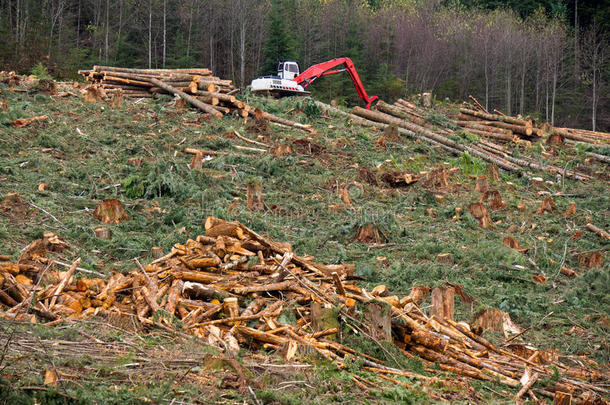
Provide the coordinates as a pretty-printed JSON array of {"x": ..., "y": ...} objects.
[{"x": 548, "y": 58}]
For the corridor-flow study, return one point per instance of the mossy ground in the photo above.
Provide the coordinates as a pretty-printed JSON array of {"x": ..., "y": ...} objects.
[{"x": 86, "y": 153}]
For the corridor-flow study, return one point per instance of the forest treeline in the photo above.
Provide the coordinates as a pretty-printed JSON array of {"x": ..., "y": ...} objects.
[{"x": 548, "y": 58}]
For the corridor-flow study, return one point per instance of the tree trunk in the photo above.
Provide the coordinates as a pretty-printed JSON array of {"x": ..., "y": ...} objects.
[
  {"x": 211, "y": 52},
  {"x": 593, "y": 104},
  {"x": 523, "y": 70},
  {"x": 508, "y": 91},
  {"x": 496, "y": 117},
  {"x": 164, "y": 30},
  {"x": 576, "y": 61},
  {"x": 486, "y": 78},
  {"x": 190, "y": 30},
  {"x": 107, "y": 30},
  {"x": 78, "y": 25},
  {"x": 242, "y": 54},
  {"x": 117, "y": 45},
  {"x": 149, "y": 34},
  {"x": 555, "y": 73}
]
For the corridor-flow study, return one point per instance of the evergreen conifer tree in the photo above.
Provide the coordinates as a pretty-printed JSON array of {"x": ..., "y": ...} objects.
[{"x": 280, "y": 44}]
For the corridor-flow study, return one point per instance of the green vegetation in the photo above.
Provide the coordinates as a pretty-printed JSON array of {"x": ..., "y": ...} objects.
[{"x": 86, "y": 153}]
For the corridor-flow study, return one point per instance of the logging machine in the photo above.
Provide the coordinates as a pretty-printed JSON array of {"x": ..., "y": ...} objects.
[{"x": 290, "y": 82}]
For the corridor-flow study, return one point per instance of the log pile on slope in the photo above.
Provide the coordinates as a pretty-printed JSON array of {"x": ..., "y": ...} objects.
[
  {"x": 413, "y": 122},
  {"x": 196, "y": 86},
  {"x": 474, "y": 117},
  {"x": 237, "y": 289},
  {"x": 134, "y": 82}
]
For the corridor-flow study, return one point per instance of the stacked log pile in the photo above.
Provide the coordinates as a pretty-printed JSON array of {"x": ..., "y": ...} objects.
[
  {"x": 12, "y": 78},
  {"x": 235, "y": 289},
  {"x": 475, "y": 119},
  {"x": 197, "y": 87},
  {"x": 134, "y": 82},
  {"x": 412, "y": 121}
]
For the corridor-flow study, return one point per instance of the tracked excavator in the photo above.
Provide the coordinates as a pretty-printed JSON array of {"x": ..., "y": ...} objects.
[{"x": 290, "y": 82}]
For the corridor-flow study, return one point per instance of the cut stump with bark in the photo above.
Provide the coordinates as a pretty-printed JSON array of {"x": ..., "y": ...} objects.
[
  {"x": 443, "y": 302},
  {"x": 255, "y": 197},
  {"x": 102, "y": 233},
  {"x": 323, "y": 317},
  {"x": 110, "y": 212},
  {"x": 378, "y": 321},
  {"x": 445, "y": 258},
  {"x": 156, "y": 252},
  {"x": 479, "y": 211}
]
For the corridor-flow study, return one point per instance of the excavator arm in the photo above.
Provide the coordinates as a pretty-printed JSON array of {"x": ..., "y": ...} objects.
[{"x": 323, "y": 69}]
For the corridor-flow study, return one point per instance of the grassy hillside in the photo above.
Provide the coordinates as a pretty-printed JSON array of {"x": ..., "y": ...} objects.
[{"x": 86, "y": 153}]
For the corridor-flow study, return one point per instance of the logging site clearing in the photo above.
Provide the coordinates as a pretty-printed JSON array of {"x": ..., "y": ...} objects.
[{"x": 167, "y": 238}]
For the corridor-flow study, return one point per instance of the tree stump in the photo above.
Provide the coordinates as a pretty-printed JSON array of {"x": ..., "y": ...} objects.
[
  {"x": 562, "y": 398},
  {"x": 230, "y": 307},
  {"x": 442, "y": 302},
  {"x": 156, "y": 252},
  {"x": 102, "y": 233},
  {"x": 445, "y": 258},
  {"x": 378, "y": 321},
  {"x": 482, "y": 186},
  {"x": 110, "y": 211},
  {"x": 427, "y": 100},
  {"x": 479, "y": 211},
  {"x": 255, "y": 197},
  {"x": 323, "y": 318},
  {"x": 488, "y": 319}
]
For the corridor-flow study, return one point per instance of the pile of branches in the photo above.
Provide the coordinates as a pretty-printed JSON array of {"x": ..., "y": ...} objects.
[
  {"x": 414, "y": 122},
  {"x": 237, "y": 289}
]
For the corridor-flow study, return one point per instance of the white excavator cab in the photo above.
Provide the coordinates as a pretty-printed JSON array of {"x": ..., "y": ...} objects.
[
  {"x": 283, "y": 84},
  {"x": 288, "y": 69}
]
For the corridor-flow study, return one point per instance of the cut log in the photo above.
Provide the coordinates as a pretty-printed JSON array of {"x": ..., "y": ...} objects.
[
  {"x": 64, "y": 282},
  {"x": 599, "y": 231},
  {"x": 213, "y": 101},
  {"x": 200, "y": 291},
  {"x": 220, "y": 96},
  {"x": 281, "y": 286},
  {"x": 231, "y": 307},
  {"x": 495, "y": 117},
  {"x": 409, "y": 116},
  {"x": 139, "y": 82},
  {"x": 197, "y": 71},
  {"x": 273, "y": 118},
  {"x": 483, "y": 127}
]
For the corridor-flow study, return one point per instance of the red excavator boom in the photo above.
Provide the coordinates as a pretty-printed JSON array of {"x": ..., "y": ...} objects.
[{"x": 322, "y": 69}]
